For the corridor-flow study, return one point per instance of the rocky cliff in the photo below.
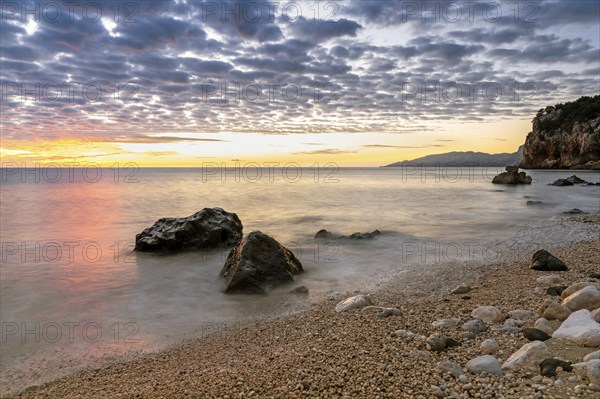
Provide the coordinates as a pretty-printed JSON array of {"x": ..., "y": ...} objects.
[{"x": 566, "y": 136}]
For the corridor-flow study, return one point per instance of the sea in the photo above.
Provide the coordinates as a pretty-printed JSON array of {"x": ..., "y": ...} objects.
[{"x": 74, "y": 294}]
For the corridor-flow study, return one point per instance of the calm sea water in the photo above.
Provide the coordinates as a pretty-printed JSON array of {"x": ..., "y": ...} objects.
[{"x": 72, "y": 292}]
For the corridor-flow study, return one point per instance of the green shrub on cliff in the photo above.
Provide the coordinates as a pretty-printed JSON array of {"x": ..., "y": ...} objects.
[{"x": 582, "y": 110}]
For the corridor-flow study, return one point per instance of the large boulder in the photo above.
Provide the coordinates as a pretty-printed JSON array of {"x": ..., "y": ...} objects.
[
  {"x": 258, "y": 263},
  {"x": 512, "y": 176},
  {"x": 529, "y": 356},
  {"x": 580, "y": 328},
  {"x": 545, "y": 261},
  {"x": 208, "y": 228},
  {"x": 586, "y": 298}
]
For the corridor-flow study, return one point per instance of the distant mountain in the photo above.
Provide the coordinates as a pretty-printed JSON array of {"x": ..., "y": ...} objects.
[{"x": 465, "y": 158}]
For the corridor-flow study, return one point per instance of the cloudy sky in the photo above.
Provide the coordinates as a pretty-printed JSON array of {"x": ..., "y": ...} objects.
[{"x": 353, "y": 82}]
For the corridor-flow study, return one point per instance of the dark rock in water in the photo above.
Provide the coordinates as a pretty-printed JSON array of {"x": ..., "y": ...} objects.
[
  {"x": 574, "y": 211},
  {"x": 534, "y": 202},
  {"x": 451, "y": 342},
  {"x": 302, "y": 290},
  {"x": 365, "y": 236},
  {"x": 208, "y": 228},
  {"x": 556, "y": 290},
  {"x": 324, "y": 234},
  {"x": 545, "y": 261},
  {"x": 533, "y": 334},
  {"x": 512, "y": 176},
  {"x": 548, "y": 367},
  {"x": 561, "y": 182},
  {"x": 257, "y": 263},
  {"x": 575, "y": 180}
]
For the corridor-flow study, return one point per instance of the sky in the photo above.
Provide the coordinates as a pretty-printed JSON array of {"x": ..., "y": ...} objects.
[{"x": 356, "y": 83}]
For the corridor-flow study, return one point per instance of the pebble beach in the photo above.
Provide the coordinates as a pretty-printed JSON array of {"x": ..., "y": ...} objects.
[{"x": 382, "y": 350}]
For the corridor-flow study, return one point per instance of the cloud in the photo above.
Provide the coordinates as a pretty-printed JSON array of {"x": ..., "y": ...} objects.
[
  {"x": 329, "y": 151},
  {"x": 318, "y": 30}
]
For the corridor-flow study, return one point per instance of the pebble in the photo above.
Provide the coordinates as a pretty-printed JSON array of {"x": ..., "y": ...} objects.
[{"x": 489, "y": 346}]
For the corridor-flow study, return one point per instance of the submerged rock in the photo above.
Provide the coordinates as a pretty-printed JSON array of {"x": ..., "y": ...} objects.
[
  {"x": 208, "y": 228},
  {"x": 530, "y": 203},
  {"x": 324, "y": 234},
  {"x": 561, "y": 183},
  {"x": 512, "y": 176},
  {"x": 258, "y": 263},
  {"x": 574, "y": 211},
  {"x": 545, "y": 261}
]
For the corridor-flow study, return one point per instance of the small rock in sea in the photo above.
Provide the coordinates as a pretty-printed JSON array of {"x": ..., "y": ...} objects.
[
  {"x": 354, "y": 302},
  {"x": 436, "y": 342},
  {"x": 453, "y": 368},
  {"x": 521, "y": 314},
  {"x": 530, "y": 203},
  {"x": 573, "y": 288},
  {"x": 548, "y": 367},
  {"x": 544, "y": 325},
  {"x": 324, "y": 234},
  {"x": 575, "y": 180},
  {"x": 475, "y": 326},
  {"x": 580, "y": 328},
  {"x": 489, "y": 346},
  {"x": 592, "y": 356},
  {"x": 488, "y": 314},
  {"x": 364, "y": 236},
  {"x": 574, "y": 211},
  {"x": 512, "y": 176},
  {"x": 461, "y": 289},
  {"x": 555, "y": 290},
  {"x": 586, "y": 298},
  {"x": 561, "y": 183},
  {"x": 302, "y": 290},
  {"x": 446, "y": 324},
  {"x": 486, "y": 363},
  {"x": 553, "y": 310},
  {"x": 545, "y": 261},
  {"x": 534, "y": 334},
  {"x": 550, "y": 279},
  {"x": 528, "y": 356}
]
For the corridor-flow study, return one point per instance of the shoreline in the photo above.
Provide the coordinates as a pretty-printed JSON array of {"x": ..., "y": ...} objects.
[{"x": 317, "y": 352}]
